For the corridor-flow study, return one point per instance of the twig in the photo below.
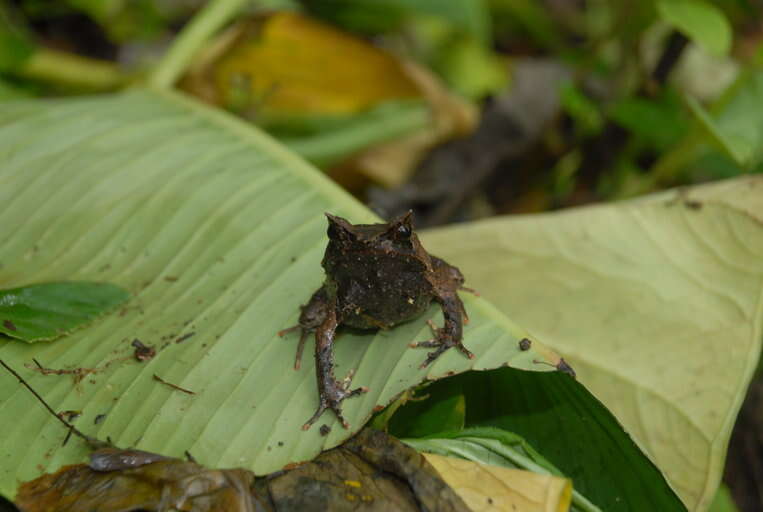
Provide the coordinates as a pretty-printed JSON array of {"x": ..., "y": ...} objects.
[
  {"x": 184, "y": 337},
  {"x": 72, "y": 429},
  {"x": 173, "y": 386},
  {"x": 674, "y": 48},
  {"x": 77, "y": 373}
]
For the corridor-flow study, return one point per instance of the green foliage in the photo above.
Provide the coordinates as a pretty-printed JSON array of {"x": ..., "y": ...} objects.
[
  {"x": 585, "y": 113},
  {"x": 326, "y": 140},
  {"x": 723, "y": 501},
  {"x": 571, "y": 429},
  {"x": 16, "y": 45},
  {"x": 529, "y": 16},
  {"x": 470, "y": 69},
  {"x": 700, "y": 21},
  {"x": 373, "y": 16},
  {"x": 659, "y": 123},
  {"x": 47, "y": 311},
  {"x": 737, "y": 128}
]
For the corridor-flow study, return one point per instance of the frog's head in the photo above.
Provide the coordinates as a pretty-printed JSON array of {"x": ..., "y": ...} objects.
[
  {"x": 391, "y": 241},
  {"x": 398, "y": 231}
]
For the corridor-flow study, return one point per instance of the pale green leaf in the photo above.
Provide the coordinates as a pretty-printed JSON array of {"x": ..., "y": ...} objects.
[
  {"x": 656, "y": 303},
  {"x": 47, "y": 311},
  {"x": 216, "y": 231},
  {"x": 698, "y": 20}
]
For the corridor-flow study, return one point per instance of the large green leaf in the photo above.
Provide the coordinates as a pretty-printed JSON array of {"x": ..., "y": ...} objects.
[
  {"x": 656, "y": 303},
  {"x": 217, "y": 231}
]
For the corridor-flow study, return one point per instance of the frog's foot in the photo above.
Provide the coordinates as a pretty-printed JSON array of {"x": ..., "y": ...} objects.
[
  {"x": 442, "y": 341},
  {"x": 302, "y": 339},
  {"x": 331, "y": 396}
]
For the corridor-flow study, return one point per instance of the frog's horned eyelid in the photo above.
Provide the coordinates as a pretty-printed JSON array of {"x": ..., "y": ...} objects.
[
  {"x": 336, "y": 219},
  {"x": 340, "y": 225},
  {"x": 404, "y": 218}
]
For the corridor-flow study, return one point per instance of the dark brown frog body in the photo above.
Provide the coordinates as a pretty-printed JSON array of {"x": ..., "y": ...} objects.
[{"x": 377, "y": 276}]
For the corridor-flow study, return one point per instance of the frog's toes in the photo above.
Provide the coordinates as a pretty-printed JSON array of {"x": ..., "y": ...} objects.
[
  {"x": 332, "y": 398},
  {"x": 442, "y": 341}
]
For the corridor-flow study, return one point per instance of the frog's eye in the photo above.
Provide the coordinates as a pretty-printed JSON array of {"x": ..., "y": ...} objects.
[
  {"x": 401, "y": 228},
  {"x": 403, "y": 231}
]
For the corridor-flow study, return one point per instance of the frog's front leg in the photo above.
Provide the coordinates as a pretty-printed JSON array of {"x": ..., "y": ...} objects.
[
  {"x": 450, "y": 334},
  {"x": 311, "y": 317},
  {"x": 331, "y": 393},
  {"x": 446, "y": 280}
]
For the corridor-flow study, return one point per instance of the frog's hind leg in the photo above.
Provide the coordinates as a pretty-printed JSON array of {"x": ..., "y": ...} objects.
[{"x": 331, "y": 393}]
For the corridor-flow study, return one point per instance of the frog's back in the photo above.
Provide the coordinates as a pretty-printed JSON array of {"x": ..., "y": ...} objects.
[{"x": 374, "y": 289}]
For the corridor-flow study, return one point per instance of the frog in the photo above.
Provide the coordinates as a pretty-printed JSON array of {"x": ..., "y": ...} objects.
[{"x": 377, "y": 276}]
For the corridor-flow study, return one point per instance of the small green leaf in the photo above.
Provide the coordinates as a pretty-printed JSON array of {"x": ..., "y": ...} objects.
[
  {"x": 47, "y": 311},
  {"x": 581, "y": 109},
  {"x": 737, "y": 124},
  {"x": 738, "y": 146},
  {"x": 700, "y": 21},
  {"x": 659, "y": 122}
]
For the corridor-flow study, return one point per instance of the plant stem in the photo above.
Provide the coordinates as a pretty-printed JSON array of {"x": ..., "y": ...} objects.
[
  {"x": 73, "y": 70},
  {"x": 205, "y": 24},
  {"x": 374, "y": 127}
]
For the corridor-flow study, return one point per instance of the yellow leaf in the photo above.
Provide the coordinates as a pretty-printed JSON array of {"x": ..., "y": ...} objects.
[
  {"x": 287, "y": 68},
  {"x": 291, "y": 64},
  {"x": 484, "y": 487}
]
